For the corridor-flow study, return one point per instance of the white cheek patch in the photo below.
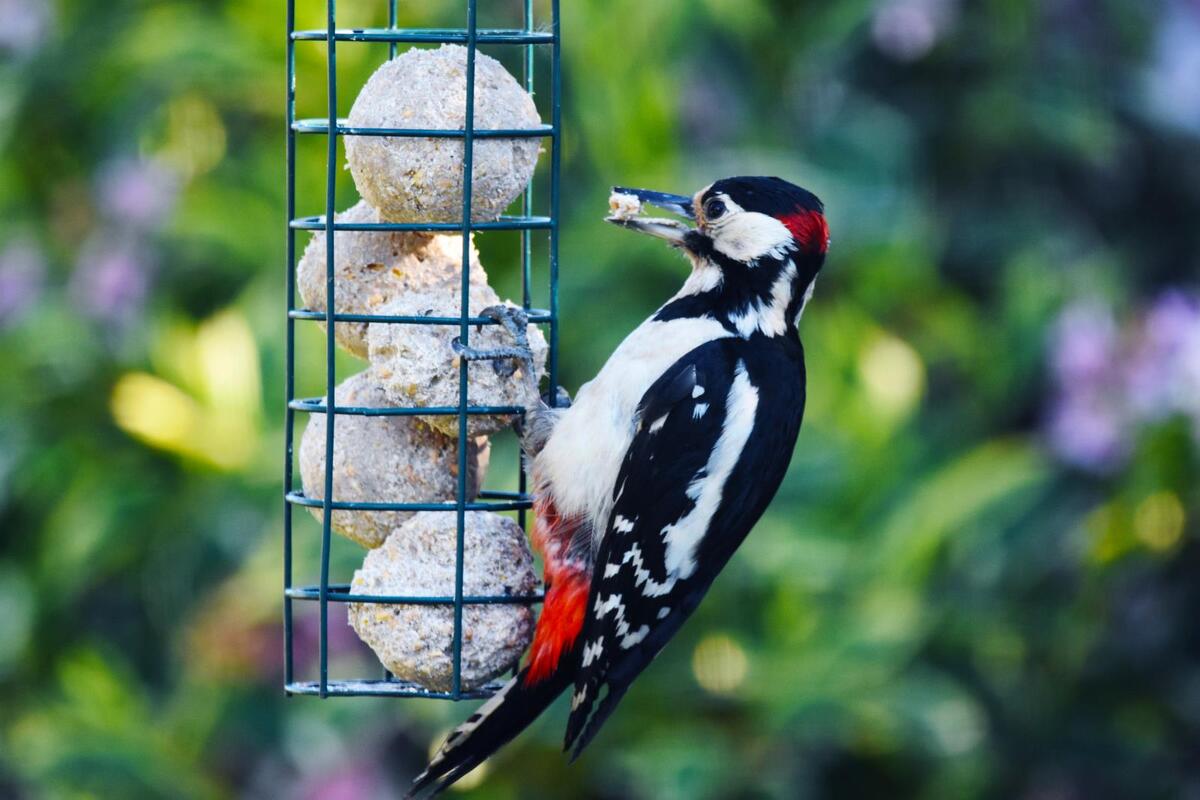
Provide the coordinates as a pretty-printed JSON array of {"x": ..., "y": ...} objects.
[{"x": 748, "y": 235}]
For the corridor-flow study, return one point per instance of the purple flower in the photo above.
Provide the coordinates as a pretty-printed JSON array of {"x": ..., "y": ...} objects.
[
  {"x": 1088, "y": 432},
  {"x": 1173, "y": 319},
  {"x": 1084, "y": 347},
  {"x": 1106, "y": 382},
  {"x": 1173, "y": 82},
  {"x": 22, "y": 274},
  {"x": 352, "y": 780},
  {"x": 1086, "y": 425},
  {"x": 26, "y": 25},
  {"x": 906, "y": 30},
  {"x": 1175, "y": 323},
  {"x": 137, "y": 192},
  {"x": 111, "y": 279},
  {"x": 1163, "y": 375}
]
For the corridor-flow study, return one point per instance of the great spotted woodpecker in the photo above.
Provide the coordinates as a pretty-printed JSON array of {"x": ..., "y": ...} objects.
[{"x": 646, "y": 485}]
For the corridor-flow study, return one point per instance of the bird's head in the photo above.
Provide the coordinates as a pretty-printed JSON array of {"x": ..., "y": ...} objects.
[{"x": 756, "y": 240}]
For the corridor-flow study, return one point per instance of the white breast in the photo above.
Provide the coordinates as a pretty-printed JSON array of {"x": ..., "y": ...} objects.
[{"x": 583, "y": 455}]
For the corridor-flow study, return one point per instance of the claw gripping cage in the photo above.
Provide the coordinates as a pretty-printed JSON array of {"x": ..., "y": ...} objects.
[{"x": 324, "y": 593}]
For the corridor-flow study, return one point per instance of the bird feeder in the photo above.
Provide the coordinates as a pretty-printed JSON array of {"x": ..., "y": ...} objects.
[{"x": 461, "y": 415}]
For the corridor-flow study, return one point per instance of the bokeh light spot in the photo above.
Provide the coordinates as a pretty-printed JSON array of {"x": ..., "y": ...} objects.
[
  {"x": 153, "y": 410},
  {"x": 218, "y": 423},
  {"x": 1110, "y": 534},
  {"x": 194, "y": 141},
  {"x": 956, "y": 725},
  {"x": 472, "y": 779},
  {"x": 467, "y": 782},
  {"x": 892, "y": 373},
  {"x": 720, "y": 664},
  {"x": 1158, "y": 521}
]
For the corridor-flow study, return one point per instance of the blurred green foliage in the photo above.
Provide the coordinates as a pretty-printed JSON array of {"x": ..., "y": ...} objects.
[{"x": 978, "y": 579}]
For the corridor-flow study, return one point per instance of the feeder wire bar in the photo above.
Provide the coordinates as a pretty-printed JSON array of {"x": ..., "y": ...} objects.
[
  {"x": 392, "y": 28},
  {"x": 506, "y": 223},
  {"x": 317, "y": 406},
  {"x": 300, "y": 499},
  {"x": 290, "y": 380},
  {"x": 555, "y": 164},
  {"x": 428, "y": 36},
  {"x": 464, "y": 363},
  {"x": 526, "y": 244},
  {"x": 535, "y": 315},
  {"x": 342, "y": 594},
  {"x": 330, "y": 350},
  {"x": 344, "y": 128}
]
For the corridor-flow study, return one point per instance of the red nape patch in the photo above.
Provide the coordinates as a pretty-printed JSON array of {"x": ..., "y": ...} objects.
[
  {"x": 559, "y": 625},
  {"x": 809, "y": 229}
]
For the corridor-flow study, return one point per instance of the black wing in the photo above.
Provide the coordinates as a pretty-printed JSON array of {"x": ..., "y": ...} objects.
[{"x": 715, "y": 435}]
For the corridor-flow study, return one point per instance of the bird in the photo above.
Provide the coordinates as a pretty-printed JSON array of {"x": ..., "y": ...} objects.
[{"x": 650, "y": 479}]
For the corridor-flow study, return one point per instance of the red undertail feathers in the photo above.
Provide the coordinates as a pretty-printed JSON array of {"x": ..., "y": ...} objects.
[{"x": 567, "y": 585}]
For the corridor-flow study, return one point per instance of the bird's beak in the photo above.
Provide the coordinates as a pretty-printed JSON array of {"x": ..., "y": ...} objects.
[
  {"x": 671, "y": 230},
  {"x": 675, "y": 203}
]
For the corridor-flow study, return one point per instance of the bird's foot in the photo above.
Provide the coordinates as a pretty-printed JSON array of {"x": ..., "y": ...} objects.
[{"x": 515, "y": 321}]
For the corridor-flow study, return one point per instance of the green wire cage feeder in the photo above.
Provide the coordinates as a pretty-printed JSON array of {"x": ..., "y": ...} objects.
[{"x": 530, "y": 38}]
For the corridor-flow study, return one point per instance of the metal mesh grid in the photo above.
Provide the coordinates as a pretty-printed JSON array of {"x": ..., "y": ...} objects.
[{"x": 325, "y": 593}]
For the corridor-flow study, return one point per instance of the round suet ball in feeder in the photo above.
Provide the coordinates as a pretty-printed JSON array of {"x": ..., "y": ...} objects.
[
  {"x": 389, "y": 459},
  {"x": 415, "y": 642},
  {"x": 417, "y": 365},
  {"x": 421, "y": 179},
  {"x": 372, "y": 267}
]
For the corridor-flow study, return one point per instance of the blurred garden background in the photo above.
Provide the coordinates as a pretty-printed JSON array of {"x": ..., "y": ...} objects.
[{"x": 980, "y": 577}]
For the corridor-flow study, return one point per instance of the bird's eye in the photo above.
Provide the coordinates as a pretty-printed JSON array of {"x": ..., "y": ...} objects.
[{"x": 714, "y": 209}]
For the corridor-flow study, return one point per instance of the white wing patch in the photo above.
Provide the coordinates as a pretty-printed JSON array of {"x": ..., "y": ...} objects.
[
  {"x": 605, "y": 606},
  {"x": 632, "y": 639},
  {"x": 613, "y": 603},
  {"x": 641, "y": 575},
  {"x": 592, "y": 651},
  {"x": 682, "y": 537}
]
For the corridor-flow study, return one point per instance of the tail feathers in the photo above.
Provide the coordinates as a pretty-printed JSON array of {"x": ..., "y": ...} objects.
[
  {"x": 493, "y": 725},
  {"x": 581, "y": 731}
]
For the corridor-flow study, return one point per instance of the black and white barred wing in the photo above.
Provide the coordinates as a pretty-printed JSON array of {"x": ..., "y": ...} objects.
[{"x": 653, "y": 565}]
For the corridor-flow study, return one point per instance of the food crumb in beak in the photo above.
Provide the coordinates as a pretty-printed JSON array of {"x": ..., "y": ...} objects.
[{"x": 624, "y": 206}]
